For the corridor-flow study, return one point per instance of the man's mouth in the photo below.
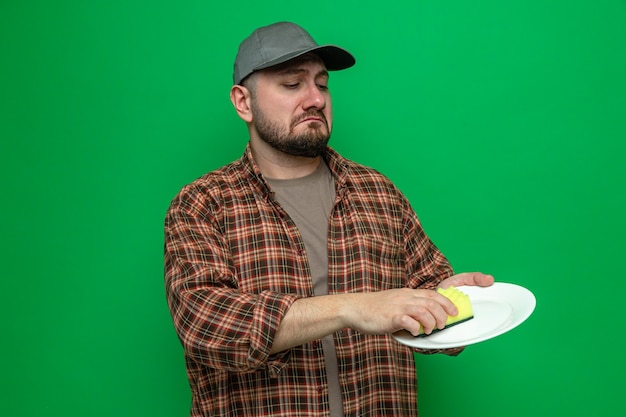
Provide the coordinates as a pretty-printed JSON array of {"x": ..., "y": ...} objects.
[{"x": 312, "y": 118}]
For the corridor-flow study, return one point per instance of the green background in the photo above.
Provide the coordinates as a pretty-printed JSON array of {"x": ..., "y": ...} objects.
[{"x": 504, "y": 122}]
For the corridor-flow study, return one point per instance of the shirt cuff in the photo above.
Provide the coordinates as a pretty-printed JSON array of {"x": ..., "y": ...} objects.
[{"x": 268, "y": 314}]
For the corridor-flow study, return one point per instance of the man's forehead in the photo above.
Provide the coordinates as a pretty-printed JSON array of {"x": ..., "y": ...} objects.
[{"x": 303, "y": 70}]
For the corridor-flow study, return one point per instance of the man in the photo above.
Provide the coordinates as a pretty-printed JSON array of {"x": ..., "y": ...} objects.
[{"x": 288, "y": 269}]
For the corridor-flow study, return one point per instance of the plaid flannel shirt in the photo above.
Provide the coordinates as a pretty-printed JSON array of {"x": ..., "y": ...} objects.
[{"x": 234, "y": 264}]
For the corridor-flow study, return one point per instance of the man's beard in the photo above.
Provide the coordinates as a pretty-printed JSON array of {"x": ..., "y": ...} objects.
[{"x": 310, "y": 143}]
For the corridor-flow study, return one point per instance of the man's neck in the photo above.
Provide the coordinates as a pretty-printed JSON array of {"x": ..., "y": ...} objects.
[{"x": 279, "y": 165}]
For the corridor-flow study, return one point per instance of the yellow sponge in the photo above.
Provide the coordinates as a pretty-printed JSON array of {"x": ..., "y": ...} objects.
[{"x": 462, "y": 303}]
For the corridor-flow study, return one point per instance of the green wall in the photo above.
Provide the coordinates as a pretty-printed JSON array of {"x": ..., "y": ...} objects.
[{"x": 503, "y": 121}]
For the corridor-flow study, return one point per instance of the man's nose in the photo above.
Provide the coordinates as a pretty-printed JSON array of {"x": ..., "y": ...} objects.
[{"x": 314, "y": 98}]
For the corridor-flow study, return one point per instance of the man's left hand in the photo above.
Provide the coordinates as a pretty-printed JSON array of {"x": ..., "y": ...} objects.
[{"x": 468, "y": 278}]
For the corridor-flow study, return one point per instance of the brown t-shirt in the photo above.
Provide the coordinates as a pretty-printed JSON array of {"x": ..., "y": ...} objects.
[{"x": 308, "y": 201}]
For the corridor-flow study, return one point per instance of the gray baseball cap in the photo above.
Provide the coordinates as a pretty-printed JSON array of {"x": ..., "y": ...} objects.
[{"x": 280, "y": 42}]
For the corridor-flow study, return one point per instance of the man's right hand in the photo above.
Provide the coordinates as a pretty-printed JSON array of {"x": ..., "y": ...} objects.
[{"x": 399, "y": 309}]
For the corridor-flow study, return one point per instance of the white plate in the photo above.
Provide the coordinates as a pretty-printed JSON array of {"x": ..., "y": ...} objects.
[{"x": 497, "y": 309}]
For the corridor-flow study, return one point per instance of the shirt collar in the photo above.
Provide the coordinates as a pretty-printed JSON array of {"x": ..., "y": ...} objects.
[{"x": 337, "y": 164}]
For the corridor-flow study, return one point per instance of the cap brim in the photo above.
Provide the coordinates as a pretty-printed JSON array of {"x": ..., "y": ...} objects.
[{"x": 334, "y": 57}]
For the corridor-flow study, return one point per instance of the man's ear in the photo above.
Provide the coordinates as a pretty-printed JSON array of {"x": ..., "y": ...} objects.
[{"x": 240, "y": 97}]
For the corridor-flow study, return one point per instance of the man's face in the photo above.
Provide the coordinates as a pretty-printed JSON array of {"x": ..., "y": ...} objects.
[{"x": 291, "y": 108}]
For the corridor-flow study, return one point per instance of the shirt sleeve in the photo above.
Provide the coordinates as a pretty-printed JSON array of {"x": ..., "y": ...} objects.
[
  {"x": 426, "y": 264},
  {"x": 217, "y": 324},
  {"x": 427, "y": 267}
]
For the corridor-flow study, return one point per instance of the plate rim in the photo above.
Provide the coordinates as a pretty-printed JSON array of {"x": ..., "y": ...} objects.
[{"x": 523, "y": 314}]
